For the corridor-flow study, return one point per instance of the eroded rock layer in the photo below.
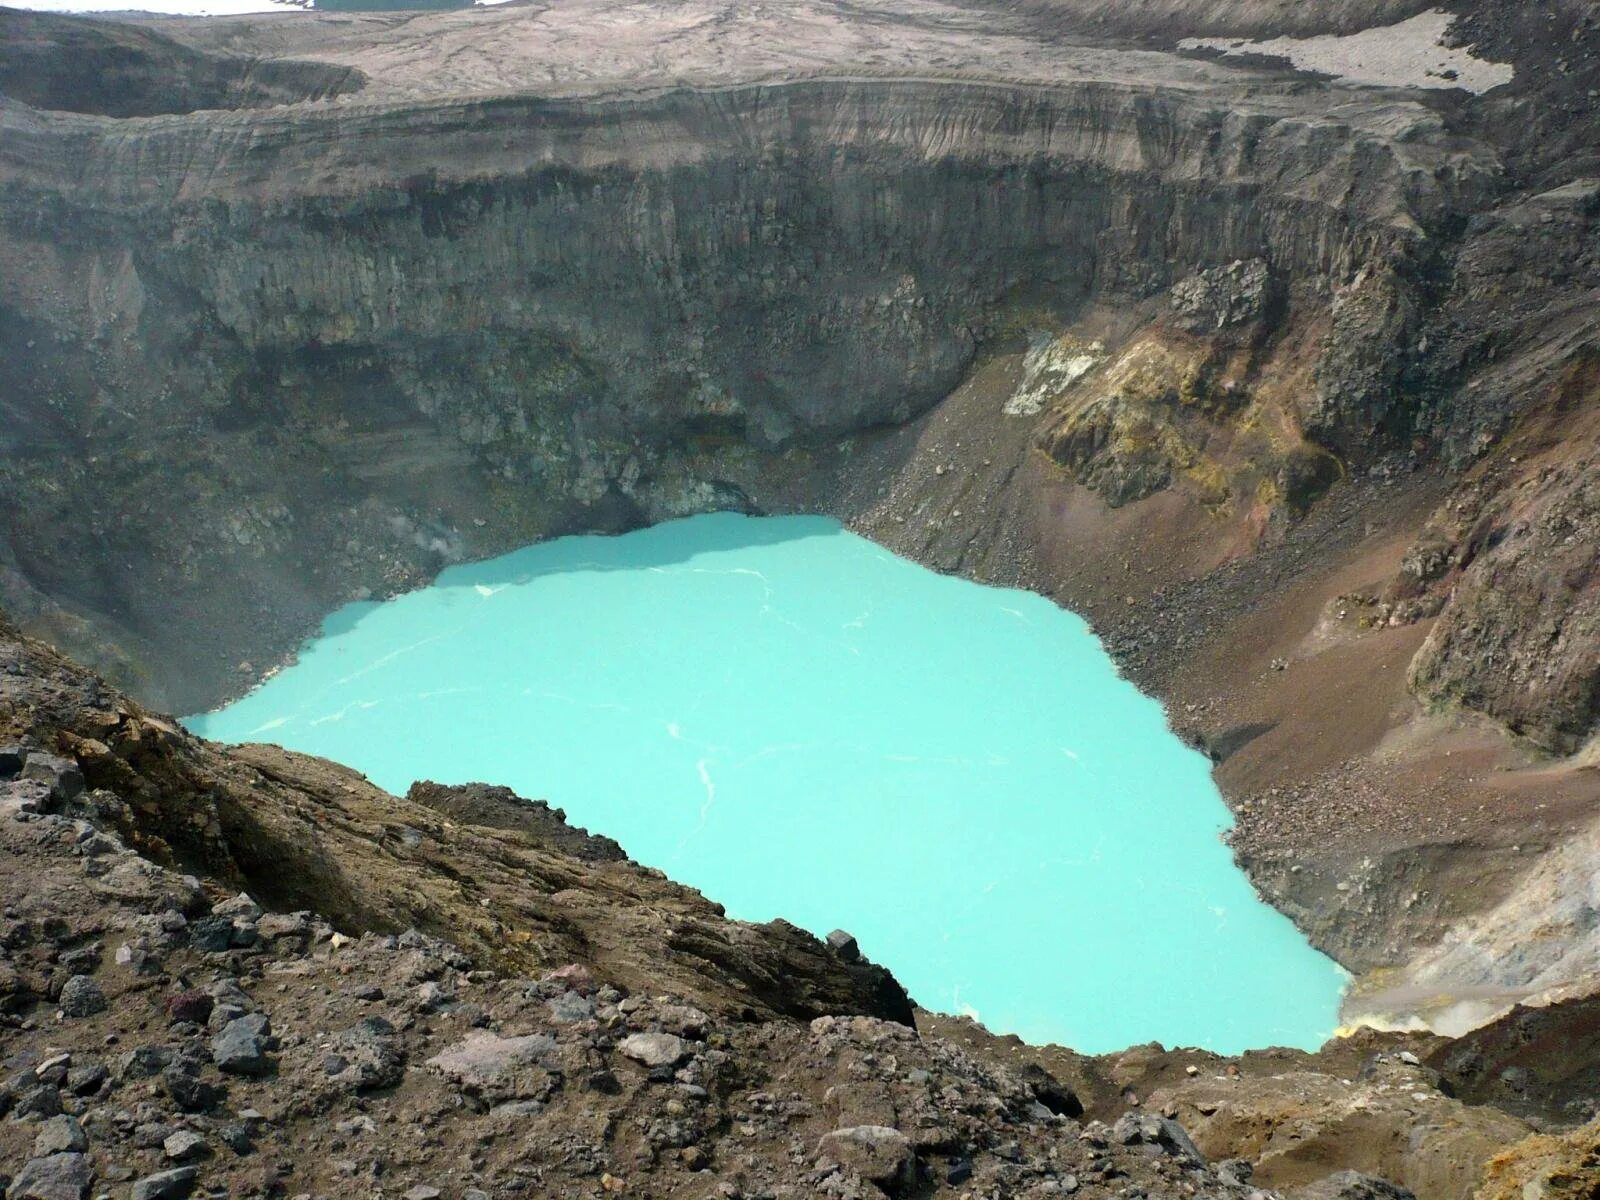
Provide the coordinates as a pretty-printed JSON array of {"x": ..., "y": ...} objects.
[{"x": 356, "y": 341}]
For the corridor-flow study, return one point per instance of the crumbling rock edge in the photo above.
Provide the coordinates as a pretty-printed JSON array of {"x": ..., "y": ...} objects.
[{"x": 165, "y": 1030}]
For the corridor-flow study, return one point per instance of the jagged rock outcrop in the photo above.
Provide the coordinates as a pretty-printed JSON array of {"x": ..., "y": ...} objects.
[
  {"x": 1550, "y": 1166},
  {"x": 1519, "y": 637},
  {"x": 304, "y": 834},
  {"x": 1540, "y": 1063}
]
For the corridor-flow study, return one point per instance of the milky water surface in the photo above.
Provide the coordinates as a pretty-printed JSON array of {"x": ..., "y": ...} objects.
[{"x": 802, "y": 724}]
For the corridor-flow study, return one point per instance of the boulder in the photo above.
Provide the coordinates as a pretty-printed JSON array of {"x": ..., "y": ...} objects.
[
  {"x": 240, "y": 908},
  {"x": 183, "y": 1145},
  {"x": 142, "y": 1062},
  {"x": 88, "y": 1079},
  {"x": 365, "y": 1056},
  {"x": 433, "y": 996},
  {"x": 1160, "y": 1135},
  {"x": 29, "y": 795},
  {"x": 275, "y": 926},
  {"x": 497, "y": 1069},
  {"x": 655, "y": 1049},
  {"x": 573, "y": 977},
  {"x": 42, "y": 1100},
  {"x": 61, "y": 775},
  {"x": 241, "y": 1048},
  {"x": 211, "y": 935},
  {"x": 876, "y": 1153},
  {"x": 53, "y": 1069},
  {"x": 188, "y": 1091},
  {"x": 1352, "y": 1185},
  {"x": 844, "y": 945},
  {"x": 166, "y": 1185},
  {"x": 53, "y": 1177},
  {"x": 81, "y": 997},
  {"x": 570, "y": 1007},
  {"x": 60, "y": 1135}
]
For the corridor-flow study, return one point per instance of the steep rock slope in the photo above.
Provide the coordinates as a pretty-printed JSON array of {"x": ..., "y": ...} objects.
[
  {"x": 517, "y": 887},
  {"x": 594, "y": 1029}
]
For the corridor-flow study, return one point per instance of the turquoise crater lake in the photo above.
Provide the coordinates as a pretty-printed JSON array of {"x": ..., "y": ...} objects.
[{"x": 801, "y": 724}]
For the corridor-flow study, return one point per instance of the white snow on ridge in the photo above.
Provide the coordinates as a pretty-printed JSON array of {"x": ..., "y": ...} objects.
[
  {"x": 183, "y": 8},
  {"x": 165, "y": 8},
  {"x": 1410, "y": 54}
]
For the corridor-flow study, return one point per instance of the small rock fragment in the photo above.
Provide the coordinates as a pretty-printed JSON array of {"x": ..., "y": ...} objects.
[
  {"x": 81, "y": 997},
  {"x": 655, "y": 1049},
  {"x": 166, "y": 1185},
  {"x": 844, "y": 945},
  {"x": 60, "y": 1135}
]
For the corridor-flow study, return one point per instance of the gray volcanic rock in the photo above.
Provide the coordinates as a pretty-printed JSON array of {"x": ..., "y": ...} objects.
[
  {"x": 367, "y": 1055},
  {"x": 54, "y": 1177},
  {"x": 499, "y": 1069},
  {"x": 81, "y": 997},
  {"x": 405, "y": 330},
  {"x": 241, "y": 1048},
  {"x": 655, "y": 1049},
  {"x": 166, "y": 1185},
  {"x": 1352, "y": 1185},
  {"x": 60, "y": 1135},
  {"x": 877, "y": 1153}
]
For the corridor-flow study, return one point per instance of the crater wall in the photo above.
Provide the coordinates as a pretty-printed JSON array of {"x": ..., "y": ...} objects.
[{"x": 268, "y": 359}]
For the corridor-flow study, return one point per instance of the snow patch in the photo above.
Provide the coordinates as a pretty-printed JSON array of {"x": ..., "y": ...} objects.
[
  {"x": 165, "y": 8},
  {"x": 1410, "y": 54}
]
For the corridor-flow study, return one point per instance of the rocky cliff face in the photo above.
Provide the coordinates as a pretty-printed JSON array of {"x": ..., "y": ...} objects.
[
  {"x": 356, "y": 341},
  {"x": 115, "y": 70}
]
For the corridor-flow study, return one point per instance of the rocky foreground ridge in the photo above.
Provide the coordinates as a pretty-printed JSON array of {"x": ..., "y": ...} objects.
[{"x": 455, "y": 994}]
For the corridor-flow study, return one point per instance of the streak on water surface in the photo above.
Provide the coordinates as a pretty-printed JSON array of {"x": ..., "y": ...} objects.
[{"x": 802, "y": 724}]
